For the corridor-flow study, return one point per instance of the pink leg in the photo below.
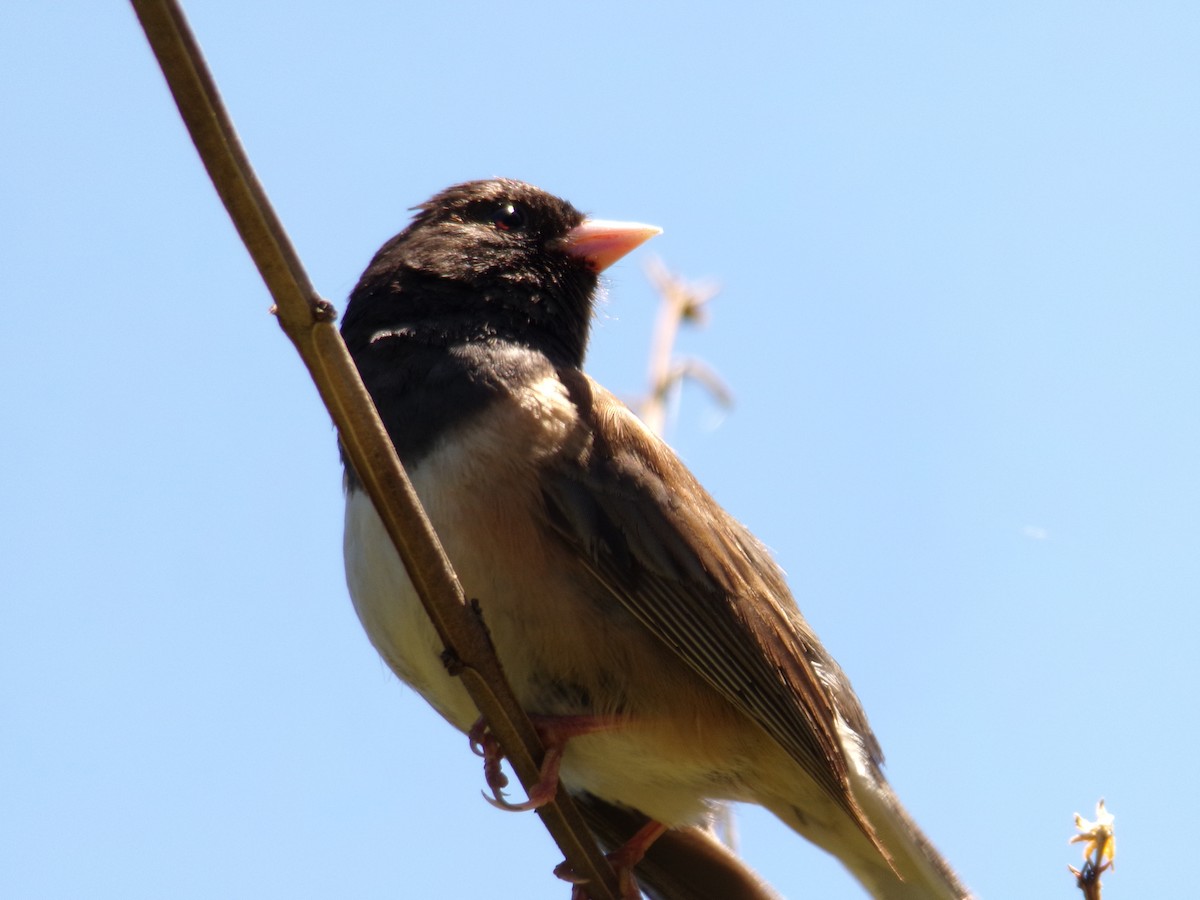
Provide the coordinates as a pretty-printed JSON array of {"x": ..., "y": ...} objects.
[
  {"x": 554, "y": 731},
  {"x": 623, "y": 859}
]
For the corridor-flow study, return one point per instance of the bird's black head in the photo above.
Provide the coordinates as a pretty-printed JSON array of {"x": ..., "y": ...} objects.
[
  {"x": 481, "y": 261},
  {"x": 490, "y": 284}
]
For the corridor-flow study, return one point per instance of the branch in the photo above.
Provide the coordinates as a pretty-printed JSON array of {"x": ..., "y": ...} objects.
[
  {"x": 680, "y": 302},
  {"x": 308, "y": 320}
]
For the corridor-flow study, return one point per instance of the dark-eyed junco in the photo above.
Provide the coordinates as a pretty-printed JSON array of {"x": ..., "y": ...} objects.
[{"x": 650, "y": 635}]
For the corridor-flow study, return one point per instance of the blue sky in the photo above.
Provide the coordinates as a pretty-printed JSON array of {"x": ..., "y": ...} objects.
[{"x": 957, "y": 246}]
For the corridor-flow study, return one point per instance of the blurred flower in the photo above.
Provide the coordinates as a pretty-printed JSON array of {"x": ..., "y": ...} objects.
[{"x": 1099, "y": 843}]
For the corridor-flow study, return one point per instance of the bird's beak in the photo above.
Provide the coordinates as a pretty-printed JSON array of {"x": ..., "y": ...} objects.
[{"x": 601, "y": 243}]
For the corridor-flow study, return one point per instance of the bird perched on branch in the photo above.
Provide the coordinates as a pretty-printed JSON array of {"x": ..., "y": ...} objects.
[{"x": 649, "y": 635}]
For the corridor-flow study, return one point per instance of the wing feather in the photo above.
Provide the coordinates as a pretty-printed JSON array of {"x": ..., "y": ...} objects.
[{"x": 702, "y": 583}]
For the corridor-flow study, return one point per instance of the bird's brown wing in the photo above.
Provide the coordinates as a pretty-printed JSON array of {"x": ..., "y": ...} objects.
[{"x": 701, "y": 583}]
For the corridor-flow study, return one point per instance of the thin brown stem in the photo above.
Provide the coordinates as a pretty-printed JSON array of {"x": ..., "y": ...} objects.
[{"x": 308, "y": 321}]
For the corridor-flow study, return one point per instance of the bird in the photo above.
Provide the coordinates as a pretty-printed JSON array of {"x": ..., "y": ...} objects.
[{"x": 651, "y": 637}]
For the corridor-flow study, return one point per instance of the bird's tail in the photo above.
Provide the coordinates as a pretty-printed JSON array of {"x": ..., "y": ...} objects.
[
  {"x": 915, "y": 871},
  {"x": 918, "y": 869}
]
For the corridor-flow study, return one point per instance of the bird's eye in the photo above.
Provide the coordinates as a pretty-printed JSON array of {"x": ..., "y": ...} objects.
[{"x": 509, "y": 217}]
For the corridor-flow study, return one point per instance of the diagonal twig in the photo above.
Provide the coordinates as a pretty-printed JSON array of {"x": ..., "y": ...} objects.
[{"x": 308, "y": 320}]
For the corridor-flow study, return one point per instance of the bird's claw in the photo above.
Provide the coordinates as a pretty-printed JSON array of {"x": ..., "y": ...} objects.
[{"x": 484, "y": 744}]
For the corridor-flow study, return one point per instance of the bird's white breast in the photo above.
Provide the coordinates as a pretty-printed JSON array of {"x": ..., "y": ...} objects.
[{"x": 476, "y": 486}]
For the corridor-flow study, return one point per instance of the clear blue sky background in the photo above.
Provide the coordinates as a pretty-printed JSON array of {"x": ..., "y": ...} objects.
[{"x": 958, "y": 247}]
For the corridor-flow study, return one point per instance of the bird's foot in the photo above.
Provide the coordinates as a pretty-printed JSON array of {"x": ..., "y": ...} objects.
[
  {"x": 623, "y": 859},
  {"x": 554, "y": 732}
]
